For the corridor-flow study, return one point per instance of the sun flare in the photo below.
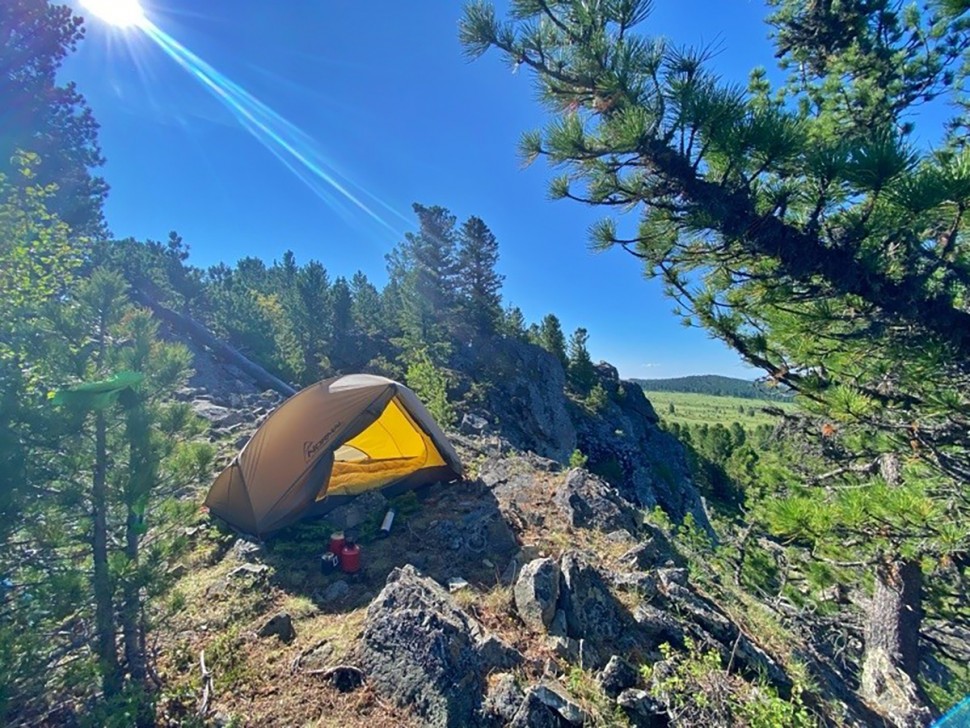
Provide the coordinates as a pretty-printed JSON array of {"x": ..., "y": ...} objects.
[{"x": 119, "y": 13}]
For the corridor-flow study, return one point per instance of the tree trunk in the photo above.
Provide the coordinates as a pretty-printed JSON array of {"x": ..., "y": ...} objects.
[
  {"x": 891, "y": 661},
  {"x": 198, "y": 333},
  {"x": 103, "y": 603}
]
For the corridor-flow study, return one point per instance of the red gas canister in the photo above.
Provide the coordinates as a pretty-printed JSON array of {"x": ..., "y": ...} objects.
[
  {"x": 336, "y": 543},
  {"x": 350, "y": 558}
]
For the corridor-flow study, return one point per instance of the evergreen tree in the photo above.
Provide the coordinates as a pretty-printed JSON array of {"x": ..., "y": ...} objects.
[
  {"x": 580, "y": 371},
  {"x": 512, "y": 323},
  {"x": 422, "y": 272},
  {"x": 343, "y": 345},
  {"x": 830, "y": 251},
  {"x": 550, "y": 337},
  {"x": 47, "y": 119},
  {"x": 479, "y": 285}
]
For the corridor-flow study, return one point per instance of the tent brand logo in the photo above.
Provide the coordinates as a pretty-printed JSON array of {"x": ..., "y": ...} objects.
[{"x": 310, "y": 449}]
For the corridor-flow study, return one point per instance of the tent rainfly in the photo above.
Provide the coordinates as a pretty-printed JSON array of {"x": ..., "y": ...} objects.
[{"x": 326, "y": 444}]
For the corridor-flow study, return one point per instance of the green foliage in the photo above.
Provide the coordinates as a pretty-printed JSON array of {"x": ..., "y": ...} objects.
[
  {"x": 581, "y": 373},
  {"x": 52, "y": 120},
  {"x": 430, "y": 383},
  {"x": 697, "y": 690},
  {"x": 479, "y": 285},
  {"x": 577, "y": 459},
  {"x": 715, "y": 385},
  {"x": 550, "y": 337},
  {"x": 597, "y": 399}
]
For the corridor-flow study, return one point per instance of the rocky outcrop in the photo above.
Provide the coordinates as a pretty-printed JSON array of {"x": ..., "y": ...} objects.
[
  {"x": 519, "y": 388},
  {"x": 419, "y": 649},
  {"x": 625, "y": 445}
]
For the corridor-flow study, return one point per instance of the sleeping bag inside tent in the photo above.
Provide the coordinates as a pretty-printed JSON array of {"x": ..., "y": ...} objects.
[{"x": 326, "y": 444}]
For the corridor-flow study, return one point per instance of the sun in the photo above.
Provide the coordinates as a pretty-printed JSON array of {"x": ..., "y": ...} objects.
[{"x": 119, "y": 13}]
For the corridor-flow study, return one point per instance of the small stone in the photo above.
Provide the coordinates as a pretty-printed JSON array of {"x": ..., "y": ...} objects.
[
  {"x": 456, "y": 583},
  {"x": 249, "y": 570},
  {"x": 281, "y": 625},
  {"x": 335, "y": 591}
]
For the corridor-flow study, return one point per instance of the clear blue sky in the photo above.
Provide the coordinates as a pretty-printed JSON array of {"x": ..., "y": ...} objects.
[{"x": 385, "y": 93}]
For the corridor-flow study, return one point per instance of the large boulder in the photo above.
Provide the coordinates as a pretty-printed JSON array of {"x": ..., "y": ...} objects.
[
  {"x": 536, "y": 593},
  {"x": 421, "y": 650},
  {"x": 592, "y": 612},
  {"x": 590, "y": 502}
]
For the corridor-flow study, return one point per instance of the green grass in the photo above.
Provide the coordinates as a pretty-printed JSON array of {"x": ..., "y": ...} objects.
[{"x": 696, "y": 409}]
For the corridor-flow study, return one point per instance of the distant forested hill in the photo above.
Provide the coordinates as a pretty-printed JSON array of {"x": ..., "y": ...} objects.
[{"x": 716, "y": 385}]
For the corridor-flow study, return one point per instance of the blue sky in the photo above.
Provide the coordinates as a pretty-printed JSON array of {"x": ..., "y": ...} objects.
[{"x": 387, "y": 98}]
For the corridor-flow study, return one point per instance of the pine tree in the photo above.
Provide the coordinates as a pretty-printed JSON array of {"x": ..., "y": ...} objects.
[
  {"x": 550, "y": 337},
  {"x": 343, "y": 345},
  {"x": 512, "y": 323},
  {"x": 829, "y": 250},
  {"x": 47, "y": 119},
  {"x": 581, "y": 373},
  {"x": 479, "y": 285},
  {"x": 422, "y": 272}
]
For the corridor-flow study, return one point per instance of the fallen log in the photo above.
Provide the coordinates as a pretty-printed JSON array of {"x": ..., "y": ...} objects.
[{"x": 201, "y": 336}]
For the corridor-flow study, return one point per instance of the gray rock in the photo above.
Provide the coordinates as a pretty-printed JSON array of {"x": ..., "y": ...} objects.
[
  {"x": 592, "y": 613},
  {"x": 533, "y": 713},
  {"x": 643, "y": 710},
  {"x": 280, "y": 625},
  {"x": 246, "y": 550},
  {"x": 536, "y": 592},
  {"x": 319, "y": 658},
  {"x": 565, "y": 648},
  {"x": 255, "y": 570},
  {"x": 589, "y": 502},
  {"x": 421, "y": 650},
  {"x": 503, "y": 699},
  {"x": 617, "y": 676},
  {"x": 338, "y": 590},
  {"x": 567, "y": 709},
  {"x": 209, "y": 411},
  {"x": 473, "y": 425},
  {"x": 525, "y": 395},
  {"x": 639, "y": 582},
  {"x": 558, "y": 625},
  {"x": 654, "y": 550}
]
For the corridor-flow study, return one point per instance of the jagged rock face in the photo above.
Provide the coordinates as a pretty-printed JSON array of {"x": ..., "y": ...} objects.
[
  {"x": 421, "y": 650},
  {"x": 625, "y": 445},
  {"x": 589, "y": 502},
  {"x": 524, "y": 397},
  {"x": 536, "y": 593}
]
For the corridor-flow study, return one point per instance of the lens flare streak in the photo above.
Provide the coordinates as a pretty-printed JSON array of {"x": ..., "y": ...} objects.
[{"x": 287, "y": 142}]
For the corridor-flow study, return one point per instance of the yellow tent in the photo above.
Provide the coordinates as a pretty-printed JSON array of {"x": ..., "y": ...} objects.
[{"x": 327, "y": 443}]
